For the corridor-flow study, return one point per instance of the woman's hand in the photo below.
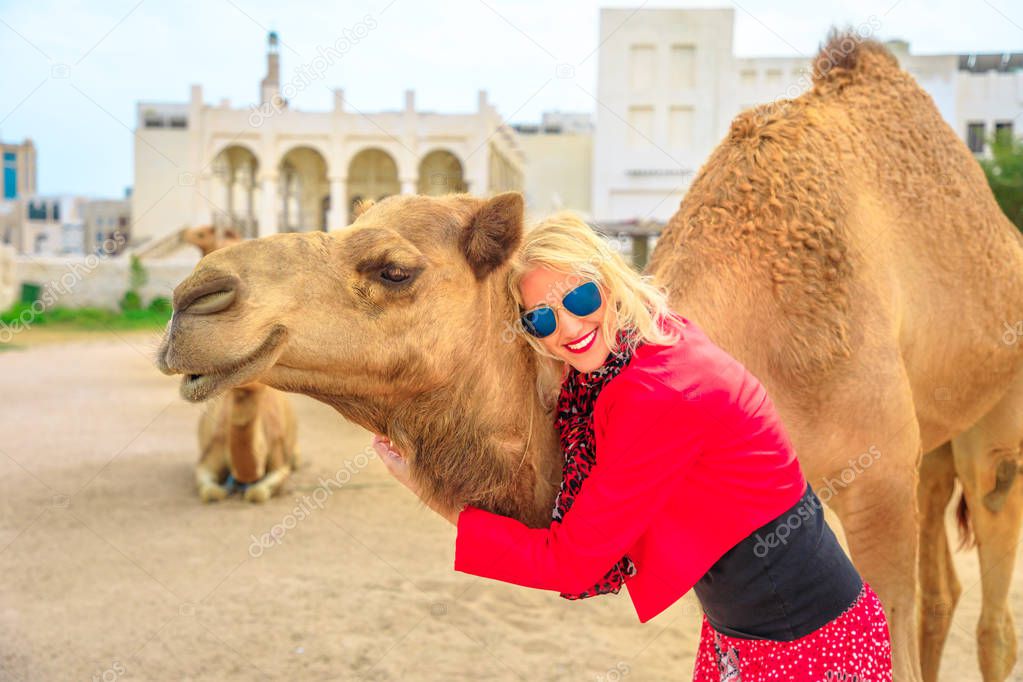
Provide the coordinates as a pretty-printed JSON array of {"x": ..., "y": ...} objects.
[
  {"x": 395, "y": 462},
  {"x": 397, "y": 465}
]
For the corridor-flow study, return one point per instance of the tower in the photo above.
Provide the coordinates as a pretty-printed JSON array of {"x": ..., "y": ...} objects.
[{"x": 270, "y": 88}]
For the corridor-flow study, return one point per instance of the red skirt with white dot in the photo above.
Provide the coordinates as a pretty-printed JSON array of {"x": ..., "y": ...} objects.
[{"x": 854, "y": 647}]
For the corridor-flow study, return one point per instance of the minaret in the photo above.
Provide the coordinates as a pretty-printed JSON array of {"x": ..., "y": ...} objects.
[{"x": 270, "y": 88}]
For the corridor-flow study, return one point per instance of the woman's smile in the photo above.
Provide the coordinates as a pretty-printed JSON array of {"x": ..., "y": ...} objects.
[{"x": 583, "y": 343}]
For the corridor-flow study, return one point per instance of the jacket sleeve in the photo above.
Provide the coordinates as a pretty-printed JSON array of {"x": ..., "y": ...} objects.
[{"x": 649, "y": 442}]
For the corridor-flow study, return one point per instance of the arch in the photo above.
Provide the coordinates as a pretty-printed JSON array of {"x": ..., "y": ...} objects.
[
  {"x": 303, "y": 189},
  {"x": 233, "y": 144},
  {"x": 311, "y": 146},
  {"x": 234, "y": 191},
  {"x": 372, "y": 174},
  {"x": 441, "y": 172}
]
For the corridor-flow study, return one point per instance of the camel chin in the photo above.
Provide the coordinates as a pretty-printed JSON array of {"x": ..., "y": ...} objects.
[{"x": 200, "y": 386}]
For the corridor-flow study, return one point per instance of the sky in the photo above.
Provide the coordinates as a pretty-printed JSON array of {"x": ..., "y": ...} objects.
[{"x": 71, "y": 73}]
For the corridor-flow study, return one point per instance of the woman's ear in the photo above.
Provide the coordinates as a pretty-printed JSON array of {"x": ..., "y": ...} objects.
[{"x": 494, "y": 233}]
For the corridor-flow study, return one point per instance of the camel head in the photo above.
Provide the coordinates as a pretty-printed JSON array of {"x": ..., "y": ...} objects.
[
  {"x": 205, "y": 237},
  {"x": 401, "y": 322}
]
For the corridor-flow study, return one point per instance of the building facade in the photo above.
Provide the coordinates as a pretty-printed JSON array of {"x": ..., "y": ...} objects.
[
  {"x": 271, "y": 168},
  {"x": 44, "y": 225},
  {"x": 669, "y": 86},
  {"x": 106, "y": 226},
  {"x": 19, "y": 170},
  {"x": 558, "y": 163}
]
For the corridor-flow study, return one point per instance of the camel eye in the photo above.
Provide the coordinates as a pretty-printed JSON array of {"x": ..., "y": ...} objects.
[{"x": 394, "y": 274}]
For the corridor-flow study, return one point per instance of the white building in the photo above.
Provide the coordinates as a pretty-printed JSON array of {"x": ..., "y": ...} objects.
[
  {"x": 44, "y": 225},
  {"x": 669, "y": 86},
  {"x": 106, "y": 225},
  {"x": 558, "y": 163},
  {"x": 271, "y": 168}
]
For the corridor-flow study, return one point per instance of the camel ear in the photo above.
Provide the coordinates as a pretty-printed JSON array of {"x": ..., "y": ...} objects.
[{"x": 494, "y": 233}]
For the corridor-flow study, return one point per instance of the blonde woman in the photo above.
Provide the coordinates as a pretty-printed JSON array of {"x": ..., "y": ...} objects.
[{"x": 678, "y": 475}]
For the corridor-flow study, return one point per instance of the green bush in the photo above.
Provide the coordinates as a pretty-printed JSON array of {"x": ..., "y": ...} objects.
[
  {"x": 131, "y": 301},
  {"x": 98, "y": 319},
  {"x": 160, "y": 306},
  {"x": 1004, "y": 171}
]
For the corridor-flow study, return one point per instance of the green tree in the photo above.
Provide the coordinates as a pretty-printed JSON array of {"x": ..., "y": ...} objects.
[{"x": 1004, "y": 172}]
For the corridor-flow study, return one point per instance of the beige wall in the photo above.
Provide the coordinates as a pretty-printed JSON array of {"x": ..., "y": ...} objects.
[
  {"x": 95, "y": 281},
  {"x": 559, "y": 172},
  {"x": 8, "y": 286}
]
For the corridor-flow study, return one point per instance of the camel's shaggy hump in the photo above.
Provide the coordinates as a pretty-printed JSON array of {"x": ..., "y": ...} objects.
[
  {"x": 772, "y": 208},
  {"x": 846, "y": 54}
]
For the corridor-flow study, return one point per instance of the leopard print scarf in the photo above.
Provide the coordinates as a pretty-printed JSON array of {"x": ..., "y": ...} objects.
[{"x": 574, "y": 422}]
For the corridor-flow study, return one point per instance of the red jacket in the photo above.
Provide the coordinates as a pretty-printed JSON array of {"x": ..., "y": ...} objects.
[{"x": 691, "y": 459}]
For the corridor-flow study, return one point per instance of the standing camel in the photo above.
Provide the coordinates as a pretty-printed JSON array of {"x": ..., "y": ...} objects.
[{"x": 843, "y": 245}]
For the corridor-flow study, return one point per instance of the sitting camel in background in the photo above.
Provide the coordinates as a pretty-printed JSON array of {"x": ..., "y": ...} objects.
[
  {"x": 843, "y": 245},
  {"x": 247, "y": 436},
  {"x": 206, "y": 238}
]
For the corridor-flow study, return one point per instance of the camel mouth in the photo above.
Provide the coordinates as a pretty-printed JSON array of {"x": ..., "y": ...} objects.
[{"x": 197, "y": 387}]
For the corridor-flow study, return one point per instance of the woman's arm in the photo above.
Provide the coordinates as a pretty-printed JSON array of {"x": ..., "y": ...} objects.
[{"x": 651, "y": 439}]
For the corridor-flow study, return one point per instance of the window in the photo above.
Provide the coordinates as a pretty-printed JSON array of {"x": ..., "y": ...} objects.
[
  {"x": 680, "y": 127},
  {"x": 153, "y": 121},
  {"x": 56, "y": 212},
  {"x": 975, "y": 137},
  {"x": 641, "y": 122},
  {"x": 1003, "y": 129},
  {"x": 178, "y": 122},
  {"x": 641, "y": 67},
  {"x": 773, "y": 76},
  {"x": 10, "y": 175},
  {"x": 683, "y": 66},
  {"x": 37, "y": 210},
  {"x": 748, "y": 77}
]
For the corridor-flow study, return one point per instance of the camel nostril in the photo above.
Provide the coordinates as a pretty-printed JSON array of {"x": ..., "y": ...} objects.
[
  {"x": 211, "y": 297},
  {"x": 211, "y": 303}
]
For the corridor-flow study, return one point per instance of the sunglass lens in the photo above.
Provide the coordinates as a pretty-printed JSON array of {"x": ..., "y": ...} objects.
[
  {"x": 583, "y": 300},
  {"x": 539, "y": 322}
]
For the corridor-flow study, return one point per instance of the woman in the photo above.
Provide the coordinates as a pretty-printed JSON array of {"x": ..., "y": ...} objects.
[{"x": 678, "y": 474}]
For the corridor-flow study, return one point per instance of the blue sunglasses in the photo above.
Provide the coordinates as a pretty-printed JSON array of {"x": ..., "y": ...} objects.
[{"x": 582, "y": 301}]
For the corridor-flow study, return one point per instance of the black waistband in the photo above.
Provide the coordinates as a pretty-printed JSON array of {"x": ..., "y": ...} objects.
[{"x": 785, "y": 580}]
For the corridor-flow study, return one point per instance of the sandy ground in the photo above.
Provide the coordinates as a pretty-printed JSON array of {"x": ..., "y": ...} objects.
[{"x": 112, "y": 569}]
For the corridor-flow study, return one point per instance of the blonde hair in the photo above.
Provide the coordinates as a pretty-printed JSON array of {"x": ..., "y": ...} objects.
[{"x": 566, "y": 244}]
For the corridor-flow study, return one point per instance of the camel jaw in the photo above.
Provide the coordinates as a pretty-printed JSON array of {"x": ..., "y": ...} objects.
[{"x": 198, "y": 386}]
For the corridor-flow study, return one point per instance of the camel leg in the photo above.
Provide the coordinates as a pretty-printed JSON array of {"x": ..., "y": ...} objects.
[
  {"x": 879, "y": 515},
  {"x": 278, "y": 473},
  {"x": 987, "y": 459},
  {"x": 212, "y": 468},
  {"x": 939, "y": 587},
  {"x": 207, "y": 482}
]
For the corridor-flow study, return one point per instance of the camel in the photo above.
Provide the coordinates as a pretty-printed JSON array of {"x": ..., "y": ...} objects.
[
  {"x": 206, "y": 238},
  {"x": 247, "y": 436},
  {"x": 843, "y": 245}
]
